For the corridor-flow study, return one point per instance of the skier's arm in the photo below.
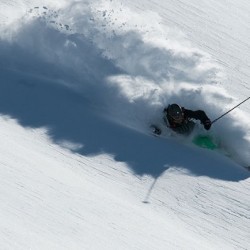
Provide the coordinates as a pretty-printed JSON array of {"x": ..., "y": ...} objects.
[{"x": 198, "y": 115}]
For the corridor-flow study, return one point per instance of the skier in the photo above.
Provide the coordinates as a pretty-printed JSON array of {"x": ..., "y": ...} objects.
[{"x": 181, "y": 121}]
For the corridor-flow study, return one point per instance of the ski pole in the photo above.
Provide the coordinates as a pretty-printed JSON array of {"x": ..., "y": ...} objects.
[{"x": 230, "y": 110}]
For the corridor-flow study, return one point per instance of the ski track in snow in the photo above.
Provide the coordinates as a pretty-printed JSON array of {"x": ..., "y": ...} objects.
[{"x": 76, "y": 76}]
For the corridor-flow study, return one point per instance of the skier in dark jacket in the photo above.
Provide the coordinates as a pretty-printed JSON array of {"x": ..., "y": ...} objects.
[{"x": 181, "y": 121}]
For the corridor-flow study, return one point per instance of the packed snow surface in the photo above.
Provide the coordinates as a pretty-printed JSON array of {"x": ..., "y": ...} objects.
[{"x": 81, "y": 81}]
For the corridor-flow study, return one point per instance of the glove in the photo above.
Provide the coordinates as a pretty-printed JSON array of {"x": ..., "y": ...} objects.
[{"x": 207, "y": 124}]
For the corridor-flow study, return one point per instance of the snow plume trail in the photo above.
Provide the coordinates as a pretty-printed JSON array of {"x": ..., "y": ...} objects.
[{"x": 124, "y": 67}]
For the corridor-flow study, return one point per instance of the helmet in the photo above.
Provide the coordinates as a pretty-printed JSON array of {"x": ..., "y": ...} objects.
[{"x": 175, "y": 112}]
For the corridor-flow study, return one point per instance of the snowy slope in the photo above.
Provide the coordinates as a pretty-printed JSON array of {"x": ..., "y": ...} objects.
[
  {"x": 80, "y": 82},
  {"x": 53, "y": 199}
]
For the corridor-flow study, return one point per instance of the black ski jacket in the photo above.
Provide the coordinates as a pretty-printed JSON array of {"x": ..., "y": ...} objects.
[{"x": 188, "y": 124}]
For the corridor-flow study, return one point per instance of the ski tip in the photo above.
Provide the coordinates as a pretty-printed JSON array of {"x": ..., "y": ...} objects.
[{"x": 155, "y": 129}]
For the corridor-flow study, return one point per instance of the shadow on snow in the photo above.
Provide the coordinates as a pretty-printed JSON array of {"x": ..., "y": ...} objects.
[{"x": 67, "y": 98}]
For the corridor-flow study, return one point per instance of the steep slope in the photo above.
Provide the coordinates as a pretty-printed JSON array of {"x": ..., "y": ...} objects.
[
  {"x": 53, "y": 198},
  {"x": 80, "y": 83},
  {"x": 95, "y": 48}
]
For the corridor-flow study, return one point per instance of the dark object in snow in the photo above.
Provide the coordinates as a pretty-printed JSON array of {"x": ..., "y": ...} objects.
[{"x": 181, "y": 121}]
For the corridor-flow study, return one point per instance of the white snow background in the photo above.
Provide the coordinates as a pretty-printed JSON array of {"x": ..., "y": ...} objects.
[{"x": 80, "y": 82}]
